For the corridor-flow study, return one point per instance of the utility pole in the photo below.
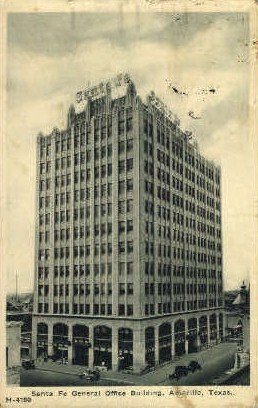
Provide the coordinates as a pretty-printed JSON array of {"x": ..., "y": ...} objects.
[{"x": 16, "y": 286}]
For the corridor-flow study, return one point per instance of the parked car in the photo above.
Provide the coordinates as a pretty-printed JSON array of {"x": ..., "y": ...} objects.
[
  {"x": 28, "y": 364},
  {"x": 193, "y": 366},
  {"x": 90, "y": 375},
  {"x": 180, "y": 371}
]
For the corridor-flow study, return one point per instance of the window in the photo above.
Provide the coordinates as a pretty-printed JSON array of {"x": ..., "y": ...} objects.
[
  {"x": 96, "y": 309},
  {"x": 109, "y": 288},
  {"x": 129, "y": 268},
  {"x": 88, "y": 155},
  {"x": 129, "y": 205},
  {"x": 109, "y": 169},
  {"x": 121, "y": 268},
  {"x": 103, "y": 268},
  {"x": 130, "y": 288},
  {"x": 40, "y": 290},
  {"x": 42, "y": 168},
  {"x": 129, "y": 310},
  {"x": 103, "y": 170},
  {"x": 121, "y": 187},
  {"x": 129, "y": 144},
  {"x": 96, "y": 249},
  {"x": 102, "y": 309},
  {"x": 121, "y": 247},
  {"x": 109, "y": 150},
  {"x": 129, "y": 225},
  {"x": 96, "y": 172},
  {"x": 42, "y": 185},
  {"x": 96, "y": 154},
  {"x": 103, "y": 229},
  {"x": 121, "y": 310},
  {"x": 103, "y": 190},
  {"x": 47, "y": 236},
  {"x": 146, "y": 309},
  {"x": 121, "y": 147},
  {"x": 96, "y": 210},
  {"x": 121, "y": 127},
  {"x": 129, "y": 246},
  {"x": 129, "y": 185},
  {"x": 121, "y": 288},
  {"x": 129, "y": 164},
  {"x": 121, "y": 166},
  {"x": 121, "y": 226},
  {"x": 121, "y": 207},
  {"x": 103, "y": 209}
]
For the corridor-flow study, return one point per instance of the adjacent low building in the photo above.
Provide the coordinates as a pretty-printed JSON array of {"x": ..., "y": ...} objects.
[
  {"x": 13, "y": 352},
  {"x": 128, "y": 268},
  {"x": 237, "y": 316},
  {"x": 25, "y": 317}
]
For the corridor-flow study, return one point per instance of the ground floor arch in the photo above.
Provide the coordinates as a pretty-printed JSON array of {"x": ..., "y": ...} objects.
[
  {"x": 150, "y": 346},
  {"x": 203, "y": 330},
  {"x": 221, "y": 325},
  {"x": 192, "y": 335},
  {"x": 179, "y": 337},
  {"x": 102, "y": 343},
  {"x": 60, "y": 341},
  {"x": 213, "y": 327},
  {"x": 42, "y": 340},
  {"x": 80, "y": 344},
  {"x": 125, "y": 348},
  {"x": 165, "y": 342}
]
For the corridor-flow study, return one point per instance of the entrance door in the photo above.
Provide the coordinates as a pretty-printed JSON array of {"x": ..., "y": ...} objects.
[
  {"x": 81, "y": 356},
  {"x": 103, "y": 358}
]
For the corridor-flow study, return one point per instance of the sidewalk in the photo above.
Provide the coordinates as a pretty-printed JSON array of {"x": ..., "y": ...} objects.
[{"x": 159, "y": 376}]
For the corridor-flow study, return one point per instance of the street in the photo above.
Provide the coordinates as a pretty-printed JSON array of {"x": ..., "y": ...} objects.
[
  {"x": 37, "y": 378},
  {"x": 210, "y": 369}
]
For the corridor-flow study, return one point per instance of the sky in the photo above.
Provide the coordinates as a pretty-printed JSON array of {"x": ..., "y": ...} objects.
[{"x": 53, "y": 55}]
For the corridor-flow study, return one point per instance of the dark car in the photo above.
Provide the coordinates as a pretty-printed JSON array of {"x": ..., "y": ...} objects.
[
  {"x": 193, "y": 366},
  {"x": 90, "y": 375},
  {"x": 180, "y": 371},
  {"x": 28, "y": 364}
]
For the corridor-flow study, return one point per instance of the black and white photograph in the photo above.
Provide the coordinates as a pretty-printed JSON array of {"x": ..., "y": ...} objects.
[{"x": 129, "y": 202}]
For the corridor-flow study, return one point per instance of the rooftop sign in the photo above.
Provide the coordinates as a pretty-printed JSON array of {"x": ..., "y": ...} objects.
[
  {"x": 100, "y": 90},
  {"x": 155, "y": 101}
]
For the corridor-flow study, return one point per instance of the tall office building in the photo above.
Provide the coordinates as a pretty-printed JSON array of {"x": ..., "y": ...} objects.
[{"x": 128, "y": 267}]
